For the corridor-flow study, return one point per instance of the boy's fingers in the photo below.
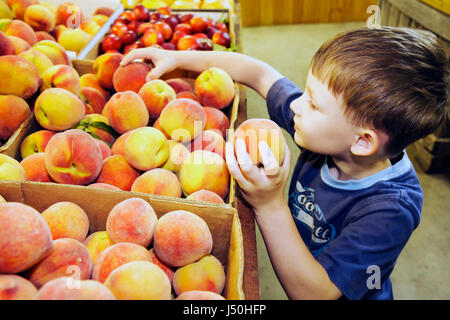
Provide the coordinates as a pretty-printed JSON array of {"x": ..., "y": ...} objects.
[
  {"x": 271, "y": 167},
  {"x": 142, "y": 53},
  {"x": 156, "y": 72},
  {"x": 233, "y": 167},
  {"x": 245, "y": 163}
]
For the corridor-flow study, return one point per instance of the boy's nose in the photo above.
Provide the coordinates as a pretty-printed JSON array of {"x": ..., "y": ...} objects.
[{"x": 296, "y": 105}]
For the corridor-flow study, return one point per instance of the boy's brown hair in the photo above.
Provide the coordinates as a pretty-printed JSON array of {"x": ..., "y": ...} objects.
[{"x": 394, "y": 79}]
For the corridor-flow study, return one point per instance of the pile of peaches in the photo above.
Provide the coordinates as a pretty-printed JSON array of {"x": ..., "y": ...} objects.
[
  {"x": 140, "y": 27},
  {"x": 137, "y": 257}
]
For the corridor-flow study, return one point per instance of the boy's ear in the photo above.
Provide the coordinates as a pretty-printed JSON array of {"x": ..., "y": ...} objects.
[{"x": 366, "y": 143}]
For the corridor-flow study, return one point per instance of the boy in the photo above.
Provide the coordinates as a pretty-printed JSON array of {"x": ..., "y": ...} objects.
[{"x": 354, "y": 199}]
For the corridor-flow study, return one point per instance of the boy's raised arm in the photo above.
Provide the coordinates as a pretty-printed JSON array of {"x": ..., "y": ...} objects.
[{"x": 249, "y": 71}]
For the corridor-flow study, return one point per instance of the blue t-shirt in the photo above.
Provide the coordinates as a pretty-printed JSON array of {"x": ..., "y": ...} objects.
[{"x": 354, "y": 228}]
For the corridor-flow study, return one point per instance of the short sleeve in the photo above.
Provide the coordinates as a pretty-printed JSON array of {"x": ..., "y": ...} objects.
[
  {"x": 372, "y": 240},
  {"x": 279, "y": 98}
]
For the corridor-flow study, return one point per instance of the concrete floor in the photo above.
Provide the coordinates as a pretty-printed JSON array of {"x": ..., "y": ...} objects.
[{"x": 422, "y": 270}]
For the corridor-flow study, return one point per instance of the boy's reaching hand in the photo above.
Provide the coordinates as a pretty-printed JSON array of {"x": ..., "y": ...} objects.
[{"x": 262, "y": 188}]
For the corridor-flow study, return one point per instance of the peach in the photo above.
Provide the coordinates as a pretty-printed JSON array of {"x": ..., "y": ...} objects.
[
  {"x": 216, "y": 119},
  {"x": 167, "y": 270},
  {"x": 18, "y": 7},
  {"x": 181, "y": 237},
  {"x": 126, "y": 111},
  {"x": 51, "y": 7},
  {"x": 183, "y": 119},
  {"x": 65, "y": 257},
  {"x": 139, "y": 280},
  {"x": 206, "y": 274},
  {"x": 35, "y": 142},
  {"x": 74, "y": 39},
  {"x": 5, "y": 11},
  {"x": 188, "y": 95},
  {"x": 14, "y": 287},
  {"x": 93, "y": 99},
  {"x": 61, "y": 76},
  {"x": 19, "y": 44},
  {"x": 199, "y": 295},
  {"x": 25, "y": 237},
  {"x": 73, "y": 157},
  {"x": 6, "y": 45},
  {"x": 39, "y": 18},
  {"x": 119, "y": 145},
  {"x": 131, "y": 77},
  {"x": 10, "y": 169},
  {"x": 53, "y": 50},
  {"x": 117, "y": 255},
  {"x": 215, "y": 88},
  {"x": 146, "y": 148},
  {"x": 67, "y": 220},
  {"x": 104, "y": 68},
  {"x": 156, "y": 94},
  {"x": 98, "y": 127},
  {"x": 209, "y": 140},
  {"x": 104, "y": 11},
  {"x": 20, "y": 77},
  {"x": 104, "y": 186},
  {"x": 177, "y": 153},
  {"x": 58, "y": 109},
  {"x": 104, "y": 148},
  {"x": 205, "y": 195},
  {"x": 253, "y": 131},
  {"x": 42, "y": 35},
  {"x": 40, "y": 60},
  {"x": 100, "y": 19},
  {"x": 179, "y": 85},
  {"x": 89, "y": 80},
  {"x": 90, "y": 26},
  {"x": 13, "y": 111},
  {"x": 158, "y": 181},
  {"x": 97, "y": 242},
  {"x": 58, "y": 30},
  {"x": 132, "y": 220},
  {"x": 34, "y": 166},
  {"x": 69, "y": 15},
  {"x": 204, "y": 170},
  {"x": 66, "y": 288},
  {"x": 117, "y": 172},
  {"x": 21, "y": 30},
  {"x": 158, "y": 126}
]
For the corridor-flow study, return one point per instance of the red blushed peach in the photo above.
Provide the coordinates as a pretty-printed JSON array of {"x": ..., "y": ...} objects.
[
  {"x": 206, "y": 274},
  {"x": 104, "y": 11},
  {"x": 97, "y": 242},
  {"x": 19, "y": 44},
  {"x": 67, "y": 256},
  {"x": 21, "y": 30},
  {"x": 131, "y": 77},
  {"x": 215, "y": 88},
  {"x": 204, "y": 170},
  {"x": 181, "y": 237},
  {"x": 6, "y": 45},
  {"x": 104, "y": 148},
  {"x": 58, "y": 109},
  {"x": 216, "y": 119},
  {"x": 132, "y": 220},
  {"x": 103, "y": 186},
  {"x": 117, "y": 255},
  {"x": 67, "y": 220},
  {"x": 35, "y": 169},
  {"x": 42, "y": 35},
  {"x": 139, "y": 280},
  {"x": 188, "y": 95},
  {"x": 167, "y": 270},
  {"x": 39, "y": 18},
  {"x": 89, "y": 80},
  {"x": 146, "y": 148},
  {"x": 119, "y": 145},
  {"x": 98, "y": 127},
  {"x": 100, "y": 19},
  {"x": 156, "y": 94},
  {"x": 20, "y": 77},
  {"x": 117, "y": 172},
  {"x": 199, "y": 295},
  {"x": 73, "y": 157},
  {"x": 25, "y": 238},
  {"x": 90, "y": 26},
  {"x": 10, "y": 169},
  {"x": 104, "y": 68},
  {"x": 93, "y": 99},
  {"x": 13, "y": 111},
  {"x": 158, "y": 181},
  {"x": 18, "y": 7},
  {"x": 205, "y": 195},
  {"x": 177, "y": 153},
  {"x": 179, "y": 85},
  {"x": 40, "y": 60},
  {"x": 35, "y": 142},
  {"x": 183, "y": 119},
  {"x": 65, "y": 288},
  {"x": 126, "y": 111},
  {"x": 13, "y": 287},
  {"x": 158, "y": 126},
  {"x": 209, "y": 140},
  {"x": 61, "y": 76},
  {"x": 54, "y": 51},
  {"x": 69, "y": 15},
  {"x": 253, "y": 131}
]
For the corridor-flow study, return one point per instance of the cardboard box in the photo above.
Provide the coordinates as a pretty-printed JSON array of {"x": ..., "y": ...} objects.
[
  {"x": 12, "y": 145},
  {"x": 222, "y": 219},
  {"x": 441, "y": 5}
]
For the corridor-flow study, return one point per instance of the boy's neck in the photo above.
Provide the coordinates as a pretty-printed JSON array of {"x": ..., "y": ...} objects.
[{"x": 355, "y": 168}]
